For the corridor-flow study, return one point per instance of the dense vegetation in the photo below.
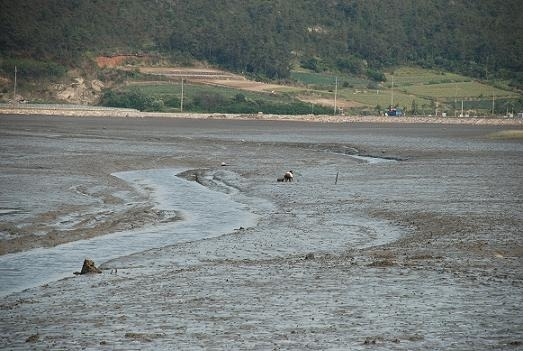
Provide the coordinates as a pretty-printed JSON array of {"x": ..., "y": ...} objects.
[
  {"x": 202, "y": 98},
  {"x": 481, "y": 38}
]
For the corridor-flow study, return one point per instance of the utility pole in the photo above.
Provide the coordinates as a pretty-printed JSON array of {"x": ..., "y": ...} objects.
[
  {"x": 392, "y": 93},
  {"x": 15, "y": 87},
  {"x": 181, "y": 107},
  {"x": 493, "y": 102},
  {"x": 335, "y": 101},
  {"x": 455, "y": 102}
]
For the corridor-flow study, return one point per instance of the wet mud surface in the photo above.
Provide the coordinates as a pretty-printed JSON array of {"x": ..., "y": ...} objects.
[{"x": 415, "y": 246}]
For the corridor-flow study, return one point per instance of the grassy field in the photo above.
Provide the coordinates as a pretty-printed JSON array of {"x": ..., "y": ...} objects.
[
  {"x": 414, "y": 87},
  {"x": 405, "y": 76},
  {"x": 507, "y": 135},
  {"x": 383, "y": 98},
  {"x": 173, "y": 90},
  {"x": 457, "y": 90},
  {"x": 216, "y": 98},
  {"x": 327, "y": 81},
  {"x": 416, "y": 90}
]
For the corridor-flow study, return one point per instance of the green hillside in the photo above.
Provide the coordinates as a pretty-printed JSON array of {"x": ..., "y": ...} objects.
[
  {"x": 300, "y": 41},
  {"x": 481, "y": 38}
]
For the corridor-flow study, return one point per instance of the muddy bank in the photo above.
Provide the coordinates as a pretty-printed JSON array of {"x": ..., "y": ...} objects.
[{"x": 421, "y": 252}]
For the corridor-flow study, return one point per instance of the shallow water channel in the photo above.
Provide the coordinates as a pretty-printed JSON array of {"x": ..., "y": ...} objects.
[
  {"x": 168, "y": 193},
  {"x": 205, "y": 214}
]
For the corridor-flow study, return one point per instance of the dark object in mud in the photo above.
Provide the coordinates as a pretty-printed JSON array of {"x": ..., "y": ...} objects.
[
  {"x": 33, "y": 338},
  {"x": 88, "y": 268},
  {"x": 310, "y": 256}
]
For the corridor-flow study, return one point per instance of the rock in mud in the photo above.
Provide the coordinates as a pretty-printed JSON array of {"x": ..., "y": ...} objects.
[
  {"x": 310, "y": 256},
  {"x": 88, "y": 267},
  {"x": 33, "y": 338}
]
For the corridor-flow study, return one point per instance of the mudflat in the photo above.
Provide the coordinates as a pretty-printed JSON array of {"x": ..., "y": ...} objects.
[{"x": 404, "y": 236}]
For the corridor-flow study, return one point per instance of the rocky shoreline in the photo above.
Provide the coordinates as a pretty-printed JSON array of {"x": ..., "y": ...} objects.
[{"x": 96, "y": 111}]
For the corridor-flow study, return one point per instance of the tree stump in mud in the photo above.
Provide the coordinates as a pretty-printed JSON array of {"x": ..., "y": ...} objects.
[{"x": 88, "y": 267}]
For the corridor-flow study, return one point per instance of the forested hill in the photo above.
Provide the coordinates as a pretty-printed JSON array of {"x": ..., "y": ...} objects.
[{"x": 482, "y": 38}]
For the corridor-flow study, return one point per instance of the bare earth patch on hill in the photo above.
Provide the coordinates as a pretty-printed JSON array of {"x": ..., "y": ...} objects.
[{"x": 211, "y": 76}]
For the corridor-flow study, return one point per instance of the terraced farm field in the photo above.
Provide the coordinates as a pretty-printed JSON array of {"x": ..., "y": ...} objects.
[{"x": 417, "y": 91}]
